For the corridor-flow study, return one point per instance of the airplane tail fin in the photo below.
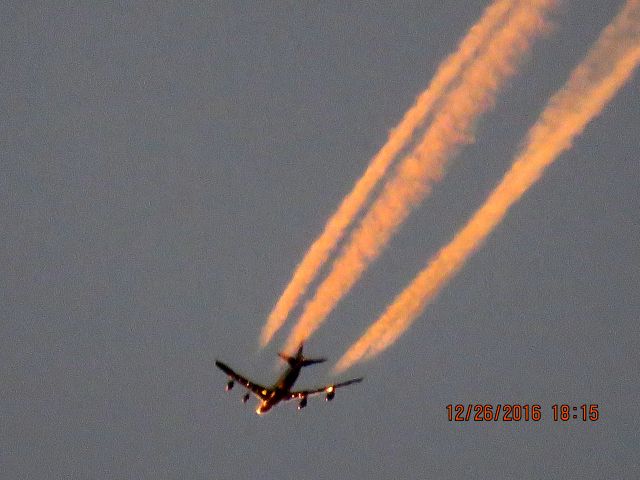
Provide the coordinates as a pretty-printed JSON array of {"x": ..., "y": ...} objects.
[
  {"x": 287, "y": 358},
  {"x": 300, "y": 359}
]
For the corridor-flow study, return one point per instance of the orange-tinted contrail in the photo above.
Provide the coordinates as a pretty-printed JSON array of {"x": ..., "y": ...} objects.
[
  {"x": 333, "y": 232},
  {"x": 607, "y": 66},
  {"x": 452, "y": 126}
]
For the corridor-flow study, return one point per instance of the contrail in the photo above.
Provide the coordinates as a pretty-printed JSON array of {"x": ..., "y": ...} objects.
[
  {"x": 607, "y": 66},
  {"x": 451, "y": 127},
  {"x": 324, "y": 245}
]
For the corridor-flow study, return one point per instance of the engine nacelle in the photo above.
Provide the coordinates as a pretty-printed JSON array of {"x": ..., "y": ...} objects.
[
  {"x": 245, "y": 398},
  {"x": 303, "y": 403},
  {"x": 331, "y": 392},
  {"x": 229, "y": 385}
]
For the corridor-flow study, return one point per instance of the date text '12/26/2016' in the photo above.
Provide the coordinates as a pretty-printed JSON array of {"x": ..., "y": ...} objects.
[{"x": 517, "y": 412}]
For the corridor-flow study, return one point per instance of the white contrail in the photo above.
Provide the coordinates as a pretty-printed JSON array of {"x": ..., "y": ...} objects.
[
  {"x": 354, "y": 202},
  {"x": 451, "y": 127},
  {"x": 606, "y": 68}
]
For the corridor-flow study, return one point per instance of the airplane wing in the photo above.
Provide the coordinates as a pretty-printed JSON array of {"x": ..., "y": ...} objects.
[
  {"x": 258, "y": 390},
  {"x": 329, "y": 389}
]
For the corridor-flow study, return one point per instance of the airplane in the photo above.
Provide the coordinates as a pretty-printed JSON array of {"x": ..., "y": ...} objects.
[{"x": 281, "y": 390}]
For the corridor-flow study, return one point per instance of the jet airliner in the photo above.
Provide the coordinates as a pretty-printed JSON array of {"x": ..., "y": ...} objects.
[{"x": 281, "y": 390}]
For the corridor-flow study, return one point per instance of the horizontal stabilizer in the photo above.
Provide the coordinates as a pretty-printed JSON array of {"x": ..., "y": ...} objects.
[
  {"x": 300, "y": 360},
  {"x": 310, "y": 361}
]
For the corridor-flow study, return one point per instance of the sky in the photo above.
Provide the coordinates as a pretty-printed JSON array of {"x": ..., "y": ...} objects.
[{"x": 164, "y": 167}]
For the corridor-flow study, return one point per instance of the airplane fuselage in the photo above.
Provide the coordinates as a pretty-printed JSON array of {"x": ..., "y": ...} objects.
[{"x": 281, "y": 389}]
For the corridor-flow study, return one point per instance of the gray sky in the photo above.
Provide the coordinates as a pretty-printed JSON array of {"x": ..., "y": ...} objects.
[{"x": 163, "y": 169}]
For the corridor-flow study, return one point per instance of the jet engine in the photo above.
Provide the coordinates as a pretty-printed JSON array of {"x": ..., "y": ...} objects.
[
  {"x": 229, "y": 385},
  {"x": 303, "y": 403},
  {"x": 331, "y": 392},
  {"x": 245, "y": 398}
]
